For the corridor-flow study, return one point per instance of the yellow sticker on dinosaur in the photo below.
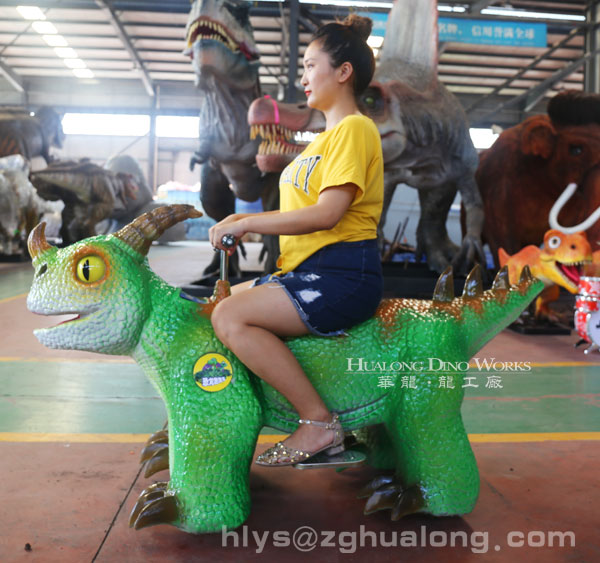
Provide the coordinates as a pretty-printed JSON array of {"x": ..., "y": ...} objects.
[{"x": 213, "y": 372}]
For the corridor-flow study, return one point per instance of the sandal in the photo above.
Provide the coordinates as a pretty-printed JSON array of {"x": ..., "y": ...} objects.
[{"x": 274, "y": 456}]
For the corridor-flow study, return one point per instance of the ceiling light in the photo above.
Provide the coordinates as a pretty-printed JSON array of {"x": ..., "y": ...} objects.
[
  {"x": 457, "y": 9},
  {"x": 533, "y": 15},
  {"x": 83, "y": 73},
  {"x": 375, "y": 41},
  {"x": 44, "y": 27},
  {"x": 55, "y": 40},
  {"x": 31, "y": 12},
  {"x": 66, "y": 52},
  {"x": 74, "y": 63}
]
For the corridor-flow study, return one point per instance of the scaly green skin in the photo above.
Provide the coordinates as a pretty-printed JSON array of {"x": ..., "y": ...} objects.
[{"x": 212, "y": 435}]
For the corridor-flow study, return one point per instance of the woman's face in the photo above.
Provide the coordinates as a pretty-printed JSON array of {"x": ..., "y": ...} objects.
[{"x": 320, "y": 80}]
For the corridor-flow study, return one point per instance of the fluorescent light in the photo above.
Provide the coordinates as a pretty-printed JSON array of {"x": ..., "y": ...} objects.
[
  {"x": 533, "y": 15},
  {"x": 482, "y": 138},
  {"x": 44, "y": 28},
  {"x": 457, "y": 9},
  {"x": 126, "y": 125},
  {"x": 349, "y": 3},
  {"x": 66, "y": 53},
  {"x": 83, "y": 73},
  {"x": 55, "y": 40},
  {"x": 74, "y": 63},
  {"x": 177, "y": 126},
  {"x": 31, "y": 12},
  {"x": 375, "y": 41}
]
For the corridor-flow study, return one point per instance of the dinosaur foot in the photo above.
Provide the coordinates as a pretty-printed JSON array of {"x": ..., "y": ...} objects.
[
  {"x": 155, "y": 505},
  {"x": 386, "y": 492},
  {"x": 156, "y": 453}
]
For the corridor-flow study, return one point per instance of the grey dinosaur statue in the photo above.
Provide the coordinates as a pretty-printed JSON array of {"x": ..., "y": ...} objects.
[
  {"x": 30, "y": 135},
  {"x": 424, "y": 134}
]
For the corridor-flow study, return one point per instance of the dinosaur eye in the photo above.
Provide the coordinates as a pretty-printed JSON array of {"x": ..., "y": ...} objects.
[
  {"x": 90, "y": 269},
  {"x": 370, "y": 101},
  {"x": 554, "y": 242},
  {"x": 575, "y": 150}
]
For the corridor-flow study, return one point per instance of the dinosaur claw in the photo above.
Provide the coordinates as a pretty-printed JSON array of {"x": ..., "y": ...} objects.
[
  {"x": 158, "y": 462},
  {"x": 373, "y": 485},
  {"x": 409, "y": 501},
  {"x": 162, "y": 436},
  {"x": 155, "y": 505},
  {"x": 382, "y": 499},
  {"x": 150, "y": 450}
]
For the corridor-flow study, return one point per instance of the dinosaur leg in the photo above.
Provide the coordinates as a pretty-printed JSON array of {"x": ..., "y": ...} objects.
[
  {"x": 432, "y": 236},
  {"x": 436, "y": 472},
  {"x": 542, "y": 304},
  {"x": 376, "y": 443}
]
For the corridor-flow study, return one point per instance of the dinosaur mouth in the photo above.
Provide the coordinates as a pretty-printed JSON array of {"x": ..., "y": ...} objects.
[
  {"x": 205, "y": 28},
  {"x": 571, "y": 271},
  {"x": 279, "y": 140}
]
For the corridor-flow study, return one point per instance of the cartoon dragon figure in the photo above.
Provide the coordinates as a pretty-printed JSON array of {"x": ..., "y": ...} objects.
[
  {"x": 558, "y": 264},
  {"x": 216, "y": 407}
]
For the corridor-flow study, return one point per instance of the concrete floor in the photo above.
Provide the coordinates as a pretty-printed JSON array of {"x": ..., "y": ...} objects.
[{"x": 72, "y": 425}]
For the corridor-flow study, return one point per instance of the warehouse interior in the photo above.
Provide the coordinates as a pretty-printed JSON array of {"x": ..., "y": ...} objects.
[{"x": 73, "y": 423}]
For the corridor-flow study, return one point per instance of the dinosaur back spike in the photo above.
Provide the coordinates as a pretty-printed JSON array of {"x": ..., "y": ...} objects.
[
  {"x": 148, "y": 227},
  {"x": 444, "y": 288},
  {"x": 526, "y": 278},
  {"x": 473, "y": 284},
  {"x": 501, "y": 281}
]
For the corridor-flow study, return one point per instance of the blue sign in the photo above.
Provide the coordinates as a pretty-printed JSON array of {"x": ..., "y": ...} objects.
[
  {"x": 379, "y": 22},
  {"x": 493, "y": 32}
]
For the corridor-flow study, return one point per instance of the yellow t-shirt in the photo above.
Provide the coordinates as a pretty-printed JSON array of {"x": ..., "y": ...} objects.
[{"x": 350, "y": 152}]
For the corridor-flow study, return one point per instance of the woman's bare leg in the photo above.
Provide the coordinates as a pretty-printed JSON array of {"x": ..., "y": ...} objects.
[{"x": 250, "y": 323}]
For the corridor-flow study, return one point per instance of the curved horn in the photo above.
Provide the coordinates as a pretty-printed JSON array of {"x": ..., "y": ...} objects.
[
  {"x": 36, "y": 242},
  {"x": 148, "y": 227},
  {"x": 557, "y": 207}
]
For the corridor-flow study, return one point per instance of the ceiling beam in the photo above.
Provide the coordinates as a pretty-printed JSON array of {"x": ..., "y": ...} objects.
[
  {"x": 122, "y": 34},
  {"x": 12, "y": 77},
  {"x": 476, "y": 7}
]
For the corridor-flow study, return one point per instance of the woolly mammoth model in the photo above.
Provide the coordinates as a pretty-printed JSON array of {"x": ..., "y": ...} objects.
[
  {"x": 216, "y": 407},
  {"x": 526, "y": 170}
]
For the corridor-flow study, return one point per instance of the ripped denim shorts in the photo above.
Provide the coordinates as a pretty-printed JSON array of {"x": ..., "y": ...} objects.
[{"x": 335, "y": 288}]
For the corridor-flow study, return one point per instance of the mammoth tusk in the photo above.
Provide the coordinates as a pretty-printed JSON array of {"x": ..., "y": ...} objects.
[{"x": 557, "y": 207}]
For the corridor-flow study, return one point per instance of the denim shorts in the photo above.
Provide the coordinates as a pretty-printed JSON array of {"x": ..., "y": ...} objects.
[{"x": 335, "y": 288}]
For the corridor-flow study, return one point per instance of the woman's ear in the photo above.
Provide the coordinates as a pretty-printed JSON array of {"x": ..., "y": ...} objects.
[{"x": 345, "y": 71}]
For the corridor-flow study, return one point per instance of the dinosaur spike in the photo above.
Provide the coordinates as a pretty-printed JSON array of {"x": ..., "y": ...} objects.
[
  {"x": 37, "y": 243},
  {"x": 148, "y": 227},
  {"x": 473, "y": 285},
  {"x": 501, "y": 280},
  {"x": 444, "y": 289},
  {"x": 150, "y": 450},
  {"x": 157, "y": 511},
  {"x": 526, "y": 277},
  {"x": 158, "y": 462}
]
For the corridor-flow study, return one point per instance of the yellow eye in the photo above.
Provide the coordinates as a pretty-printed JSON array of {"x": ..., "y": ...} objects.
[{"x": 90, "y": 269}]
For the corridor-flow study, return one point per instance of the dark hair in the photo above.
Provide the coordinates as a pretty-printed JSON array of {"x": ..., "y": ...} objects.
[
  {"x": 347, "y": 42},
  {"x": 572, "y": 107}
]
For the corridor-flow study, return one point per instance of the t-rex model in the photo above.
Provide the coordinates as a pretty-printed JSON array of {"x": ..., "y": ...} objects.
[
  {"x": 558, "y": 264},
  {"x": 528, "y": 167},
  {"x": 216, "y": 407},
  {"x": 30, "y": 136},
  {"x": 424, "y": 134},
  {"x": 225, "y": 60}
]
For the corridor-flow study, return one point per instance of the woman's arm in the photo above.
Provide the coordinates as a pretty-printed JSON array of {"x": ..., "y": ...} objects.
[{"x": 333, "y": 202}]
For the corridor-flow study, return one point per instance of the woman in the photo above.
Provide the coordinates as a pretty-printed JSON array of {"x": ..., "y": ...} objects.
[{"x": 330, "y": 203}]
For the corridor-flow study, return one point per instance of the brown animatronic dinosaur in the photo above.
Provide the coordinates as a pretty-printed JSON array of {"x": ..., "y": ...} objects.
[
  {"x": 528, "y": 167},
  {"x": 30, "y": 136},
  {"x": 558, "y": 264},
  {"x": 424, "y": 134}
]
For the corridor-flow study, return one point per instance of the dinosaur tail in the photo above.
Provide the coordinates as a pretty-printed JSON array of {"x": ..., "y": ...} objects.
[{"x": 483, "y": 314}]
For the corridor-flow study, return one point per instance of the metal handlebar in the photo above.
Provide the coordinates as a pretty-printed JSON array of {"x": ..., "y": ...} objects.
[{"x": 228, "y": 241}]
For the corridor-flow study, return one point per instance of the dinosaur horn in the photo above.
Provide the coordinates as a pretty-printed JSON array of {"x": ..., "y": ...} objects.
[
  {"x": 473, "y": 285},
  {"x": 36, "y": 242},
  {"x": 444, "y": 289},
  {"x": 148, "y": 227}
]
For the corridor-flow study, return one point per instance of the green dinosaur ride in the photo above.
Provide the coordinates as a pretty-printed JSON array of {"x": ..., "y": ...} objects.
[{"x": 216, "y": 407}]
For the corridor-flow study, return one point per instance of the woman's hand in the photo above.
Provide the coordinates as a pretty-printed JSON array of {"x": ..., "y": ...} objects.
[{"x": 231, "y": 225}]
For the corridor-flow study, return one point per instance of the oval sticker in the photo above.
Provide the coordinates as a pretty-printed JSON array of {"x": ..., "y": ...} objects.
[{"x": 213, "y": 372}]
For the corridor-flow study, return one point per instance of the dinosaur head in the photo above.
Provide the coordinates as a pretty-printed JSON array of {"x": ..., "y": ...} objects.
[
  {"x": 103, "y": 281},
  {"x": 564, "y": 256},
  {"x": 220, "y": 42}
]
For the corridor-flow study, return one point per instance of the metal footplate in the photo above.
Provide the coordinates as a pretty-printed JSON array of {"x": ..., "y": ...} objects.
[{"x": 347, "y": 458}]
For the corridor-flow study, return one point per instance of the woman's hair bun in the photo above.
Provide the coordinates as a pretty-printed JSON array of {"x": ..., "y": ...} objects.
[{"x": 360, "y": 25}]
